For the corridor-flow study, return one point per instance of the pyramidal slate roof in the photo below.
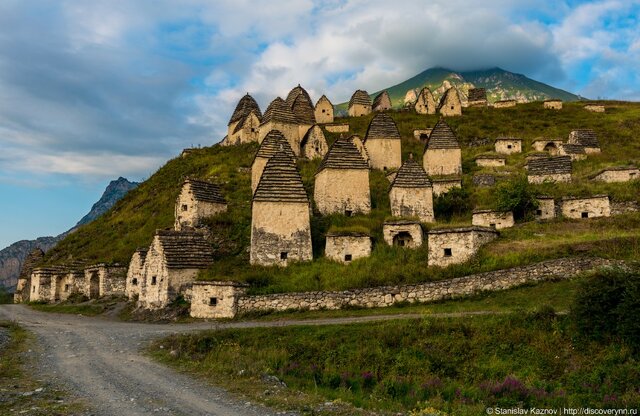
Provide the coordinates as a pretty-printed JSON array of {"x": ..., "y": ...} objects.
[
  {"x": 549, "y": 165},
  {"x": 205, "y": 191},
  {"x": 34, "y": 257},
  {"x": 573, "y": 149},
  {"x": 442, "y": 137},
  {"x": 343, "y": 154},
  {"x": 360, "y": 97},
  {"x": 244, "y": 107},
  {"x": 411, "y": 175},
  {"x": 272, "y": 143},
  {"x": 242, "y": 120},
  {"x": 445, "y": 96},
  {"x": 382, "y": 126},
  {"x": 295, "y": 93},
  {"x": 303, "y": 110},
  {"x": 185, "y": 249},
  {"x": 382, "y": 98},
  {"x": 477, "y": 94},
  {"x": 279, "y": 111},
  {"x": 324, "y": 98},
  {"x": 142, "y": 252},
  {"x": 280, "y": 181},
  {"x": 584, "y": 137}
]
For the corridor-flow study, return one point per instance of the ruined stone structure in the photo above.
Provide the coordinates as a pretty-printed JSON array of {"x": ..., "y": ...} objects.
[
  {"x": 550, "y": 169},
  {"x": 313, "y": 143},
  {"x": 444, "y": 185},
  {"x": 491, "y": 161},
  {"x": 344, "y": 247},
  {"x": 508, "y": 145},
  {"x": 574, "y": 151},
  {"x": 342, "y": 181},
  {"x": 424, "y": 292},
  {"x": 198, "y": 199},
  {"x": 546, "y": 145},
  {"x": 104, "y": 280},
  {"x": 359, "y": 104},
  {"x": 456, "y": 245},
  {"x": 337, "y": 128},
  {"x": 553, "y": 104},
  {"x": 43, "y": 283},
  {"x": 410, "y": 98},
  {"x": 586, "y": 138},
  {"x": 273, "y": 142},
  {"x": 450, "y": 104},
  {"x": 493, "y": 219},
  {"x": 245, "y": 121},
  {"x": 171, "y": 266},
  {"x": 477, "y": 97},
  {"x": 135, "y": 273},
  {"x": 280, "y": 117},
  {"x": 280, "y": 215},
  {"x": 442, "y": 154},
  {"x": 546, "y": 208},
  {"x": 411, "y": 192},
  {"x": 617, "y": 174},
  {"x": 594, "y": 108},
  {"x": 24, "y": 280},
  {"x": 422, "y": 135},
  {"x": 383, "y": 143},
  {"x": 505, "y": 104},
  {"x": 585, "y": 207},
  {"x": 402, "y": 233},
  {"x": 382, "y": 102},
  {"x": 324, "y": 111},
  {"x": 215, "y": 299},
  {"x": 425, "y": 104}
]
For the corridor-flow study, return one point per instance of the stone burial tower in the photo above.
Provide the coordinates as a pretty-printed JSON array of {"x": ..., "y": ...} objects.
[
  {"x": 280, "y": 215},
  {"x": 411, "y": 192}
]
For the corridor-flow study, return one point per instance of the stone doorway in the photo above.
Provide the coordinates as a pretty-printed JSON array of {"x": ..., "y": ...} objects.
[
  {"x": 94, "y": 286},
  {"x": 403, "y": 239}
]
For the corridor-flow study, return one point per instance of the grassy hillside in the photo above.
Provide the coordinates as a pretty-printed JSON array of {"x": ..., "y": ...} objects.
[
  {"x": 500, "y": 84},
  {"x": 133, "y": 220}
]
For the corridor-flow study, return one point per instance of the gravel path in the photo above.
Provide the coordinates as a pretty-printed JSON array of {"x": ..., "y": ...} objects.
[{"x": 99, "y": 359}]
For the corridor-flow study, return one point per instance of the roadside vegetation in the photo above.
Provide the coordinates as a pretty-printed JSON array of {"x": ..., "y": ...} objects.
[
  {"x": 20, "y": 391},
  {"x": 79, "y": 305},
  {"x": 133, "y": 220},
  {"x": 455, "y": 366}
]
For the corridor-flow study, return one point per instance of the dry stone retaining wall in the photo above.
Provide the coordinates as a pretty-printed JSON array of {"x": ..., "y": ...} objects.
[{"x": 425, "y": 292}]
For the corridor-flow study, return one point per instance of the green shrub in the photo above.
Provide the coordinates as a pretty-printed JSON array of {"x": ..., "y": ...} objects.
[
  {"x": 516, "y": 196},
  {"x": 454, "y": 202},
  {"x": 607, "y": 304},
  {"x": 5, "y": 296}
]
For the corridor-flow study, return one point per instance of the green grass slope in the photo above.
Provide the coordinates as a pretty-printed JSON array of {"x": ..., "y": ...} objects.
[{"x": 133, "y": 220}]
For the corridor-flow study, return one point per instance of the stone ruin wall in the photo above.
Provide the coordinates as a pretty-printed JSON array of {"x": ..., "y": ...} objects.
[
  {"x": 502, "y": 146},
  {"x": 452, "y": 106},
  {"x": 499, "y": 220},
  {"x": 337, "y": 128},
  {"x": 558, "y": 177},
  {"x": 339, "y": 246},
  {"x": 357, "y": 110},
  {"x": 324, "y": 112},
  {"x": 504, "y": 104},
  {"x": 618, "y": 175},
  {"x": 594, "y": 207},
  {"x": 594, "y": 108},
  {"x": 425, "y": 292},
  {"x": 224, "y": 305},
  {"x": 316, "y": 145},
  {"x": 412, "y": 202},
  {"x": 553, "y": 105},
  {"x": 339, "y": 190},
  {"x": 441, "y": 162},
  {"x": 490, "y": 162},
  {"x": 546, "y": 209},
  {"x": 135, "y": 271},
  {"x": 463, "y": 246},
  {"x": 442, "y": 186},
  {"x": 249, "y": 132},
  {"x": 391, "y": 230},
  {"x": 384, "y": 153},
  {"x": 278, "y": 227}
]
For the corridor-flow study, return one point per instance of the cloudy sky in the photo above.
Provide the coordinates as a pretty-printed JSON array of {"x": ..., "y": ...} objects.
[{"x": 93, "y": 90}]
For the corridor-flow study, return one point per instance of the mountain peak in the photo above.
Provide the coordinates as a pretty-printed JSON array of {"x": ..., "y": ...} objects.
[{"x": 114, "y": 191}]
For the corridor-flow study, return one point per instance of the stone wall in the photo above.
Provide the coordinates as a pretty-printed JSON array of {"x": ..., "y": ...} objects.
[
  {"x": 249, "y": 132},
  {"x": 189, "y": 211},
  {"x": 316, "y": 144},
  {"x": 357, "y": 110},
  {"x": 104, "y": 280},
  {"x": 558, "y": 177},
  {"x": 384, "y": 153},
  {"x": 422, "y": 134},
  {"x": 324, "y": 112},
  {"x": 280, "y": 233},
  {"x": 135, "y": 275},
  {"x": 553, "y": 105},
  {"x": 508, "y": 146},
  {"x": 342, "y": 190},
  {"x": 618, "y": 175},
  {"x": 215, "y": 299},
  {"x": 490, "y": 162},
  {"x": 452, "y": 105},
  {"x": 551, "y": 146},
  {"x": 425, "y": 292},
  {"x": 623, "y": 207},
  {"x": 484, "y": 180},
  {"x": 546, "y": 208},
  {"x": 412, "y": 202},
  {"x": 337, "y": 128},
  {"x": 504, "y": 104},
  {"x": 493, "y": 219},
  {"x": 589, "y": 207},
  {"x": 454, "y": 246},
  {"x": 444, "y": 185},
  {"x": 345, "y": 248},
  {"x": 440, "y": 162},
  {"x": 256, "y": 172},
  {"x": 594, "y": 108},
  {"x": 402, "y": 233}
]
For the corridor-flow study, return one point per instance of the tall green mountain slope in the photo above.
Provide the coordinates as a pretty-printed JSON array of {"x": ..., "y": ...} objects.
[{"x": 500, "y": 85}]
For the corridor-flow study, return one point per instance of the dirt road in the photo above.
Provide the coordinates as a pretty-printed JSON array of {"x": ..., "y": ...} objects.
[{"x": 100, "y": 361}]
